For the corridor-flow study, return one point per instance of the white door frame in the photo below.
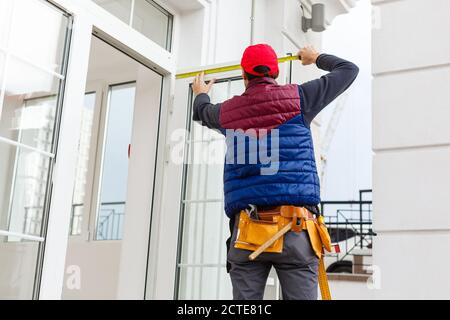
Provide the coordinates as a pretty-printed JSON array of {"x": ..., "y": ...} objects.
[{"x": 88, "y": 17}]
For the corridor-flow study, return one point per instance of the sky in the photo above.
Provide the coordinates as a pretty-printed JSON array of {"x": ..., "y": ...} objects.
[{"x": 349, "y": 158}]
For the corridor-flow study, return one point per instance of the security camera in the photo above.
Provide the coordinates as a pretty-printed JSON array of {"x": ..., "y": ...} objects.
[{"x": 317, "y": 21}]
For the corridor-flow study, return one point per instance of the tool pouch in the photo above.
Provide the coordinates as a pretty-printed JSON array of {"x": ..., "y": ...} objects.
[
  {"x": 314, "y": 237},
  {"x": 323, "y": 233},
  {"x": 254, "y": 233},
  {"x": 319, "y": 236}
]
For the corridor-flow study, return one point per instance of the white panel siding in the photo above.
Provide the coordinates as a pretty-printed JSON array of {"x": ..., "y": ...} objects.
[
  {"x": 407, "y": 37},
  {"x": 411, "y": 118},
  {"x": 412, "y": 189},
  {"x": 420, "y": 100},
  {"x": 413, "y": 265}
]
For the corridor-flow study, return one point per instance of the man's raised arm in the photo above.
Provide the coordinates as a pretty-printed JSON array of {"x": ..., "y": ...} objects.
[{"x": 317, "y": 94}]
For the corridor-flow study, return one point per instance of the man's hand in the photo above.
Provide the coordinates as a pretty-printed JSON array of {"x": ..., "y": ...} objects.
[
  {"x": 308, "y": 55},
  {"x": 199, "y": 86}
]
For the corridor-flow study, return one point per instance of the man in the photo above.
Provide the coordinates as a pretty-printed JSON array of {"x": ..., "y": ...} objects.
[{"x": 264, "y": 107}]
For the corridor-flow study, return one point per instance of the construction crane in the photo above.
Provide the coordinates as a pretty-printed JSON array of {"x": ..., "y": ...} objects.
[{"x": 330, "y": 133}]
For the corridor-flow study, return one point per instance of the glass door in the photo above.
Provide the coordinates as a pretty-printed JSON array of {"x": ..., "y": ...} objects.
[
  {"x": 32, "y": 77},
  {"x": 111, "y": 206}
]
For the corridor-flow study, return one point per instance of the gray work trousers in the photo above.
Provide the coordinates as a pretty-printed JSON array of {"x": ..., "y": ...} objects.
[{"x": 296, "y": 267}]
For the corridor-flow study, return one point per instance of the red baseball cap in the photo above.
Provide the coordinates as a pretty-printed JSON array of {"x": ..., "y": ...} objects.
[{"x": 260, "y": 55}]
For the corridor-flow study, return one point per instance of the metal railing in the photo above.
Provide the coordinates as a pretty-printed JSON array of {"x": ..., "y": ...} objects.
[
  {"x": 109, "y": 223},
  {"x": 350, "y": 224}
]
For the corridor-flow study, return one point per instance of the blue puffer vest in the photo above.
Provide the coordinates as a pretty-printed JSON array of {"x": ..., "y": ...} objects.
[{"x": 277, "y": 146}]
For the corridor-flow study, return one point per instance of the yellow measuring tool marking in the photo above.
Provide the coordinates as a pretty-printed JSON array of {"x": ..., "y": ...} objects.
[
  {"x": 227, "y": 68},
  {"x": 323, "y": 281}
]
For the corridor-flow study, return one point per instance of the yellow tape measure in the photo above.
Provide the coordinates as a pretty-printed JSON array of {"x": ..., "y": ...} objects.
[
  {"x": 227, "y": 68},
  {"x": 323, "y": 281}
]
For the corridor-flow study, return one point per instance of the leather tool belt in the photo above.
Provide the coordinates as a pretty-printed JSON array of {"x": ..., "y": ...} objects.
[{"x": 257, "y": 228}]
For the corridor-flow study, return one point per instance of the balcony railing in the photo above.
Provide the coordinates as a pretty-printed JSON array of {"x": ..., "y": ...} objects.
[
  {"x": 350, "y": 225},
  {"x": 109, "y": 223}
]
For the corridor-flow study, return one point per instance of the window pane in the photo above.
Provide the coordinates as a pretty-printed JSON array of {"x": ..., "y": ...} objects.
[
  {"x": 17, "y": 269},
  {"x": 221, "y": 90},
  {"x": 237, "y": 88},
  {"x": 39, "y": 33},
  {"x": 84, "y": 151},
  {"x": 205, "y": 178},
  {"x": 115, "y": 162},
  {"x": 120, "y": 8},
  {"x": 205, "y": 283},
  {"x": 148, "y": 18},
  {"x": 23, "y": 189},
  {"x": 29, "y": 108},
  {"x": 205, "y": 233},
  {"x": 152, "y": 21},
  {"x": 205, "y": 227}
]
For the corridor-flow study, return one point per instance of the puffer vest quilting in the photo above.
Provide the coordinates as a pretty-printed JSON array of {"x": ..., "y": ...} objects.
[{"x": 269, "y": 122}]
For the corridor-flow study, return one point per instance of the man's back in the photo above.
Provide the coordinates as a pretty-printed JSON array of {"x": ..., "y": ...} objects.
[
  {"x": 270, "y": 162},
  {"x": 264, "y": 107}
]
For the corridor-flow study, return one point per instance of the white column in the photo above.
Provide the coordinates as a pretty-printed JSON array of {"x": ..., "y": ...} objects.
[{"x": 411, "y": 141}]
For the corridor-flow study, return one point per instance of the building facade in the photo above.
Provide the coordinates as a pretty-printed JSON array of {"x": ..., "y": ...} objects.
[
  {"x": 101, "y": 195},
  {"x": 411, "y": 140}
]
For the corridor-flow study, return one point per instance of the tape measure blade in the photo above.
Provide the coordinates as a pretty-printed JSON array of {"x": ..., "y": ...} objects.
[
  {"x": 227, "y": 68},
  {"x": 323, "y": 281},
  {"x": 223, "y": 69},
  {"x": 208, "y": 71},
  {"x": 288, "y": 58}
]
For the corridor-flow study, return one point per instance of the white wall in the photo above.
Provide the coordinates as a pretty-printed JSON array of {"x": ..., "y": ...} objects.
[
  {"x": 411, "y": 140},
  {"x": 233, "y": 29},
  {"x": 350, "y": 290},
  {"x": 219, "y": 33}
]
